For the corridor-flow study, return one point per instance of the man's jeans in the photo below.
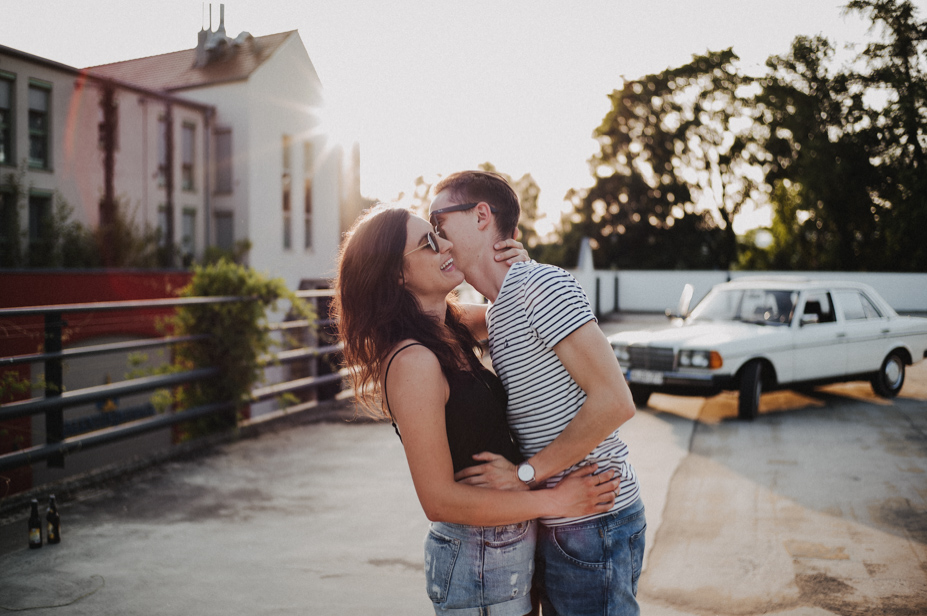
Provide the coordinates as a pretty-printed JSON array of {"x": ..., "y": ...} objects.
[{"x": 592, "y": 567}]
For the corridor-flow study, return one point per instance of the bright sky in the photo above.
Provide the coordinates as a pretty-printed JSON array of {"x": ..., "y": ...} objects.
[{"x": 431, "y": 87}]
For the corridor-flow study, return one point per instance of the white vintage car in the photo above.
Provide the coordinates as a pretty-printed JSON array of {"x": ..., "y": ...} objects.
[{"x": 754, "y": 335}]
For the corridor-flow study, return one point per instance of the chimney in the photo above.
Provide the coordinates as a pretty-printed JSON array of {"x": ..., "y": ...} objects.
[
  {"x": 221, "y": 30},
  {"x": 201, "y": 58}
]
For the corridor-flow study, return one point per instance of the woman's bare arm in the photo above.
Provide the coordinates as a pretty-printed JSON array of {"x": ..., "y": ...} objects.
[{"x": 418, "y": 393}]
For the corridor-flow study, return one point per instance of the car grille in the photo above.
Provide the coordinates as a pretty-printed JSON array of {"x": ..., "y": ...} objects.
[{"x": 652, "y": 358}]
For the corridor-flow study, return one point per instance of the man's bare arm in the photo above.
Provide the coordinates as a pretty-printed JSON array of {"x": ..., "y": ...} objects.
[{"x": 590, "y": 360}]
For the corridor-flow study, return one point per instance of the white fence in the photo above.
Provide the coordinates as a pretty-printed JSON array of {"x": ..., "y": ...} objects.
[{"x": 657, "y": 290}]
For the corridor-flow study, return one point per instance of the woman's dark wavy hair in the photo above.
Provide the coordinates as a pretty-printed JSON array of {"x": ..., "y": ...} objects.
[{"x": 374, "y": 311}]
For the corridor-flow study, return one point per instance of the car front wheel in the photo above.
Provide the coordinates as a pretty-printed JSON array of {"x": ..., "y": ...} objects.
[
  {"x": 751, "y": 388},
  {"x": 888, "y": 381}
]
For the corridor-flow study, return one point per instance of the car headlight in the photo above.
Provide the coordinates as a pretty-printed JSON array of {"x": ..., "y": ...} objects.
[
  {"x": 700, "y": 359},
  {"x": 621, "y": 352}
]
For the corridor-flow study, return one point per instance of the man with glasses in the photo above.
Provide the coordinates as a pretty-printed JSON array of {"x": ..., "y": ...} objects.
[{"x": 567, "y": 398}]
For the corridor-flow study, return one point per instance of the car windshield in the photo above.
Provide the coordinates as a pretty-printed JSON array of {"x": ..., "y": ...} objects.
[{"x": 761, "y": 306}]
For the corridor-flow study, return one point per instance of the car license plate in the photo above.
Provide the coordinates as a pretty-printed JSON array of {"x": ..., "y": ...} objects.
[{"x": 648, "y": 377}]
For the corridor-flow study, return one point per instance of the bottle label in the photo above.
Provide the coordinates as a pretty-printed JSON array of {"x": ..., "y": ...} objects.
[
  {"x": 51, "y": 532},
  {"x": 35, "y": 536}
]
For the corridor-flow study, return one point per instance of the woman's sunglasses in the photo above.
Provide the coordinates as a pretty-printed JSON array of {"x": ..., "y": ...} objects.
[{"x": 431, "y": 241}]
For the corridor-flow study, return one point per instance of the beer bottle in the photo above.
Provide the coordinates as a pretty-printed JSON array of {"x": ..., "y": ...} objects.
[
  {"x": 35, "y": 527},
  {"x": 53, "y": 535}
]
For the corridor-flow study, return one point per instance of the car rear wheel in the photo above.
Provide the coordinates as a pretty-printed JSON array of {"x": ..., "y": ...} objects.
[
  {"x": 888, "y": 381},
  {"x": 640, "y": 394},
  {"x": 751, "y": 388}
]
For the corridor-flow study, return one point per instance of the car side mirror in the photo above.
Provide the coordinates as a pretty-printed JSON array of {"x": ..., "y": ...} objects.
[{"x": 682, "y": 308}]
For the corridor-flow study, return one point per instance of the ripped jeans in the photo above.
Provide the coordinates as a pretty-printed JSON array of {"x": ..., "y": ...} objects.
[{"x": 480, "y": 570}]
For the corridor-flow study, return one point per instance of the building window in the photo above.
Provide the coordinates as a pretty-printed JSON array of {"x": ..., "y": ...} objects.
[
  {"x": 308, "y": 163},
  {"x": 162, "y": 151},
  {"x": 39, "y": 211},
  {"x": 162, "y": 226},
  {"x": 9, "y": 231},
  {"x": 39, "y": 107},
  {"x": 6, "y": 120},
  {"x": 40, "y": 246},
  {"x": 224, "y": 161},
  {"x": 287, "y": 190},
  {"x": 188, "y": 235},
  {"x": 225, "y": 231},
  {"x": 187, "y": 169}
]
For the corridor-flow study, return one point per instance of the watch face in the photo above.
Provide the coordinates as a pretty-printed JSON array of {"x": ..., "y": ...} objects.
[{"x": 526, "y": 472}]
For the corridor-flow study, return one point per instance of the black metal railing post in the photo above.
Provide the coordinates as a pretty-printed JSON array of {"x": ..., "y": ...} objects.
[
  {"x": 54, "y": 385},
  {"x": 616, "y": 308},
  {"x": 63, "y": 438}
]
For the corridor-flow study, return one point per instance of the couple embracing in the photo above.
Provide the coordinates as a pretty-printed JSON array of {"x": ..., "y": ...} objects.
[{"x": 522, "y": 472}]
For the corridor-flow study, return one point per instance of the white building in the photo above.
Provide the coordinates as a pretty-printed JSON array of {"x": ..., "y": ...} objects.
[
  {"x": 53, "y": 130},
  {"x": 215, "y": 145}
]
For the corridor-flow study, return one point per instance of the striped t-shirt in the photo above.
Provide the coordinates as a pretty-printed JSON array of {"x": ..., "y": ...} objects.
[{"x": 537, "y": 307}]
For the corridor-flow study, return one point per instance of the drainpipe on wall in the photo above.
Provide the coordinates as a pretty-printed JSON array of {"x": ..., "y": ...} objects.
[
  {"x": 108, "y": 202},
  {"x": 169, "y": 184},
  {"x": 146, "y": 174},
  {"x": 207, "y": 175}
]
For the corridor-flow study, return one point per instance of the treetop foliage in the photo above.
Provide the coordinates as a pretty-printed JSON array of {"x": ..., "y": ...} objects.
[{"x": 836, "y": 151}]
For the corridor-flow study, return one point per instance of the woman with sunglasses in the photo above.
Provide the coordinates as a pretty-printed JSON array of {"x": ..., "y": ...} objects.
[{"x": 410, "y": 348}]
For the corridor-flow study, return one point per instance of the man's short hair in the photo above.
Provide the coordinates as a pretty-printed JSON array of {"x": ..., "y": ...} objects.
[{"x": 470, "y": 186}]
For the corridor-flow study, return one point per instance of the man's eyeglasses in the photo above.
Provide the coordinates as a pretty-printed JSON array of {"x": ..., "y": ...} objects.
[
  {"x": 460, "y": 207},
  {"x": 431, "y": 241}
]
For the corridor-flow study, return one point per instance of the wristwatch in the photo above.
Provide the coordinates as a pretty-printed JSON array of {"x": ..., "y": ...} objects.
[{"x": 525, "y": 473}]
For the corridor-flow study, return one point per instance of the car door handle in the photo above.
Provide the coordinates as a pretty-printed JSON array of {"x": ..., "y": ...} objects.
[
  {"x": 841, "y": 335},
  {"x": 886, "y": 331}
]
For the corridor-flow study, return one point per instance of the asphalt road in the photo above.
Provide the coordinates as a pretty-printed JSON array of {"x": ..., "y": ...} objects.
[{"x": 818, "y": 507}]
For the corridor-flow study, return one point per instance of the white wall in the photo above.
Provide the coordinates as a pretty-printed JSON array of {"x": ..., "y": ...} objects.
[
  {"x": 75, "y": 170},
  {"x": 232, "y": 110},
  {"x": 286, "y": 99},
  {"x": 282, "y": 97}
]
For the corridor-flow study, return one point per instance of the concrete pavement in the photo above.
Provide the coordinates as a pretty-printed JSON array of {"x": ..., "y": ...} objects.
[{"x": 818, "y": 507}]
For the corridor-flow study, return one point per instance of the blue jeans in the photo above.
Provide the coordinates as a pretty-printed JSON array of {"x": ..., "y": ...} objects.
[
  {"x": 480, "y": 570},
  {"x": 592, "y": 567}
]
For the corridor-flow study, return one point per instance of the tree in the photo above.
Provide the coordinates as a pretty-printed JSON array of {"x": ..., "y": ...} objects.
[
  {"x": 845, "y": 149},
  {"x": 672, "y": 171},
  {"x": 896, "y": 66},
  {"x": 817, "y": 163},
  {"x": 419, "y": 198},
  {"x": 60, "y": 241}
]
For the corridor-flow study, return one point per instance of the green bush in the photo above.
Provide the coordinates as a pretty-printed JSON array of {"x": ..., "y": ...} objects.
[
  {"x": 63, "y": 242},
  {"x": 237, "y": 337}
]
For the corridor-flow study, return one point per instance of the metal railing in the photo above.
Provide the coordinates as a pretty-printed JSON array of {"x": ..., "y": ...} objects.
[{"x": 56, "y": 400}]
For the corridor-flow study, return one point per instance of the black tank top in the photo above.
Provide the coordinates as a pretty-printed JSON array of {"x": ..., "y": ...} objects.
[{"x": 474, "y": 417}]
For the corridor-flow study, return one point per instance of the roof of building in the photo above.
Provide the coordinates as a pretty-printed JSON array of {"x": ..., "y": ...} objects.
[
  {"x": 176, "y": 71},
  {"x": 84, "y": 74}
]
